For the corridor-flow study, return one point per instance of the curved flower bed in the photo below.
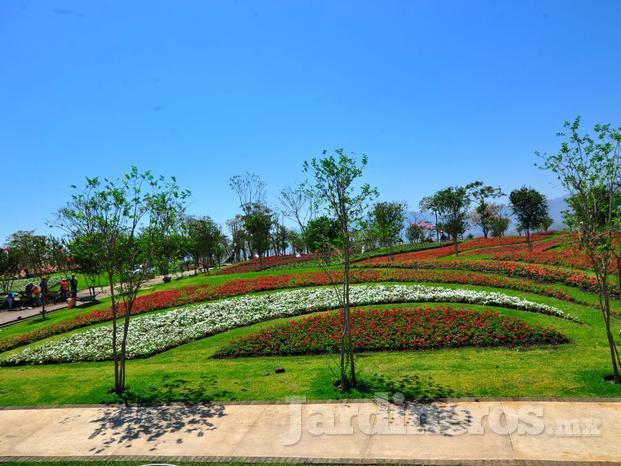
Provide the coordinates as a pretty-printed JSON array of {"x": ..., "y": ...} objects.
[
  {"x": 198, "y": 293},
  {"x": 397, "y": 329},
  {"x": 264, "y": 263},
  {"x": 515, "y": 269},
  {"x": 449, "y": 249},
  {"x": 155, "y": 333}
]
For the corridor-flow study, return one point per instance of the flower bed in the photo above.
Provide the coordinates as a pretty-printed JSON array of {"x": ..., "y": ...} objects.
[
  {"x": 264, "y": 263},
  {"x": 515, "y": 269},
  {"x": 155, "y": 333},
  {"x": 448, "y": 250},
  {"x": 403, "y": 328},
  {"x": 198, "y": 293}
]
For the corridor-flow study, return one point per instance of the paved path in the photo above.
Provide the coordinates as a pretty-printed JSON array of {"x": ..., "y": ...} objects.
[
  {"x": 515, "y": 432},
  {"x": 11, "y": 317}
]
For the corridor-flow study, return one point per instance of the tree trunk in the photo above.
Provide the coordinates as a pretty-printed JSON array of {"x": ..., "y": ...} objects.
[
  {"x": 619, "y": 271},
  {"x": 347, "y": 315},
  {"x": 115, "y": 356},
  {"x": 528, "y": 240},
  {"x": 604, "y": 301}
]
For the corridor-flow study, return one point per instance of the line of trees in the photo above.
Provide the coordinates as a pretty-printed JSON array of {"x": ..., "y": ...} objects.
[{"x": 453, "y": 211}]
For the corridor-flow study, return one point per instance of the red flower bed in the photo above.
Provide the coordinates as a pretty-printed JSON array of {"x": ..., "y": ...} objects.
[
  {"x": 515, "y": 269},
  {"x": 542, "y": 253},
  {"x": 256, "y": 265},
  {"x": 445, "y": 251},
  {"x": 405, "y": 328}
]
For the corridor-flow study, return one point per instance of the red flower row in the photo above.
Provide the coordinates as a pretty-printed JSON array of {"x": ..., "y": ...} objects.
[
  {"x": 393, "y": 329},
  {"x": 515, "y": 269}
]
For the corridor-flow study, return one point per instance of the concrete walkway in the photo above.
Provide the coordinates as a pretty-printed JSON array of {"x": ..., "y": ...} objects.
[
  {"x": 13, "y": 316},
  {"x": 464, "y": 432}
]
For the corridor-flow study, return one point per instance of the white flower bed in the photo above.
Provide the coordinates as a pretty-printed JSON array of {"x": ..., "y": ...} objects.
[{"x": 154, "y": 333}]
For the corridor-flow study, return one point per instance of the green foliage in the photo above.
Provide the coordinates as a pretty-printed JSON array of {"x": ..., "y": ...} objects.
[
  {"x": 530, "y": 208},
  {"x": 484, "y": 211},
  {"x": 590, "y": 169},
  {"x": 452, "y": 205},
  {"x": 323, "y": 234},
  {"x": 31, "y": 251},
  {"x": 125, "y": 226},
  {"x": 258, "y": 225},
  {"x": 386, "y": 222},
  {"x": 205, "y": 241}
]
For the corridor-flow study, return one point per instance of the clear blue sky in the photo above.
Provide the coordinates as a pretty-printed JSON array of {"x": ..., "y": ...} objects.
[{"x": 436, "y": 93}]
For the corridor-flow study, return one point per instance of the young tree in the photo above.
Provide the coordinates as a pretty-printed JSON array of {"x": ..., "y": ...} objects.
[
  {"x": 386, "y": 223},
  {"x": 530, "y": 208},
  {"x": 452, "y": 204},
  {"x": 483, "y": 211},
  {"x": 590, "y": 169},
  {"x": 131, "y": 217},
  {"x": 335, "y": 185}
]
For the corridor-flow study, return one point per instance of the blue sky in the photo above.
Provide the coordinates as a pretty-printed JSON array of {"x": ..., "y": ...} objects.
[{"x": 436, "y": 93}]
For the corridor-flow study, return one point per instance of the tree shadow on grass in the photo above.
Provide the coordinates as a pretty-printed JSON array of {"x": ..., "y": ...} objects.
[
  {"x": 150, "y": 415},
  {"x": 420, "y": 404}
]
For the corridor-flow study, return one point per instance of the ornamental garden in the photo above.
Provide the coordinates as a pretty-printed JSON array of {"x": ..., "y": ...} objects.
[{"x": 356, "y": 298}]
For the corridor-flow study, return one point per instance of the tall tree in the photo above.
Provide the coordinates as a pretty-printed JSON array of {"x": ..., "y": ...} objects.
[
  {"x": 430, "y": 204},
  {"x": 452, "y": 204},
  {"x": 336, "y": 185},
  {"x": 530, "y": 208},
  {"x": 484, "y": 213},
  {"x": 205, "y": 241},
  {"x": 258, "y": 225},
  {"x": 238, "y": 238},
  {"x": 279, "y": 238},
  {"x": 590, "y": 169},
  {"x": 131, "y": 216},
  {"x": 250, "y": 189},
  {"x": 297, "y": 205}
]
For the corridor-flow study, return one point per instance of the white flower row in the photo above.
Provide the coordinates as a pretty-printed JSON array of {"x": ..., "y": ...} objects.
[{"x": 154, "y": 333}]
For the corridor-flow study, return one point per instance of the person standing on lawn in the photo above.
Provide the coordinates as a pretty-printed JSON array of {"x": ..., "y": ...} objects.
[
  {"x": 73, "y": 283},
  {"x": 64, "y": 287}
]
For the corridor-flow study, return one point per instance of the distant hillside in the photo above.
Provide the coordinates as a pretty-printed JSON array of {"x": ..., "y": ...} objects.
[{"x": 556, "y": 207}]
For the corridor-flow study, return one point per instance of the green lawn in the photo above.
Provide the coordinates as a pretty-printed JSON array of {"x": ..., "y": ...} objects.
[{"x": 188, "y": 373}]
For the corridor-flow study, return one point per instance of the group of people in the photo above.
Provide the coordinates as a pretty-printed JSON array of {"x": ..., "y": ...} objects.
[{"x": 37, "y": 293}]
